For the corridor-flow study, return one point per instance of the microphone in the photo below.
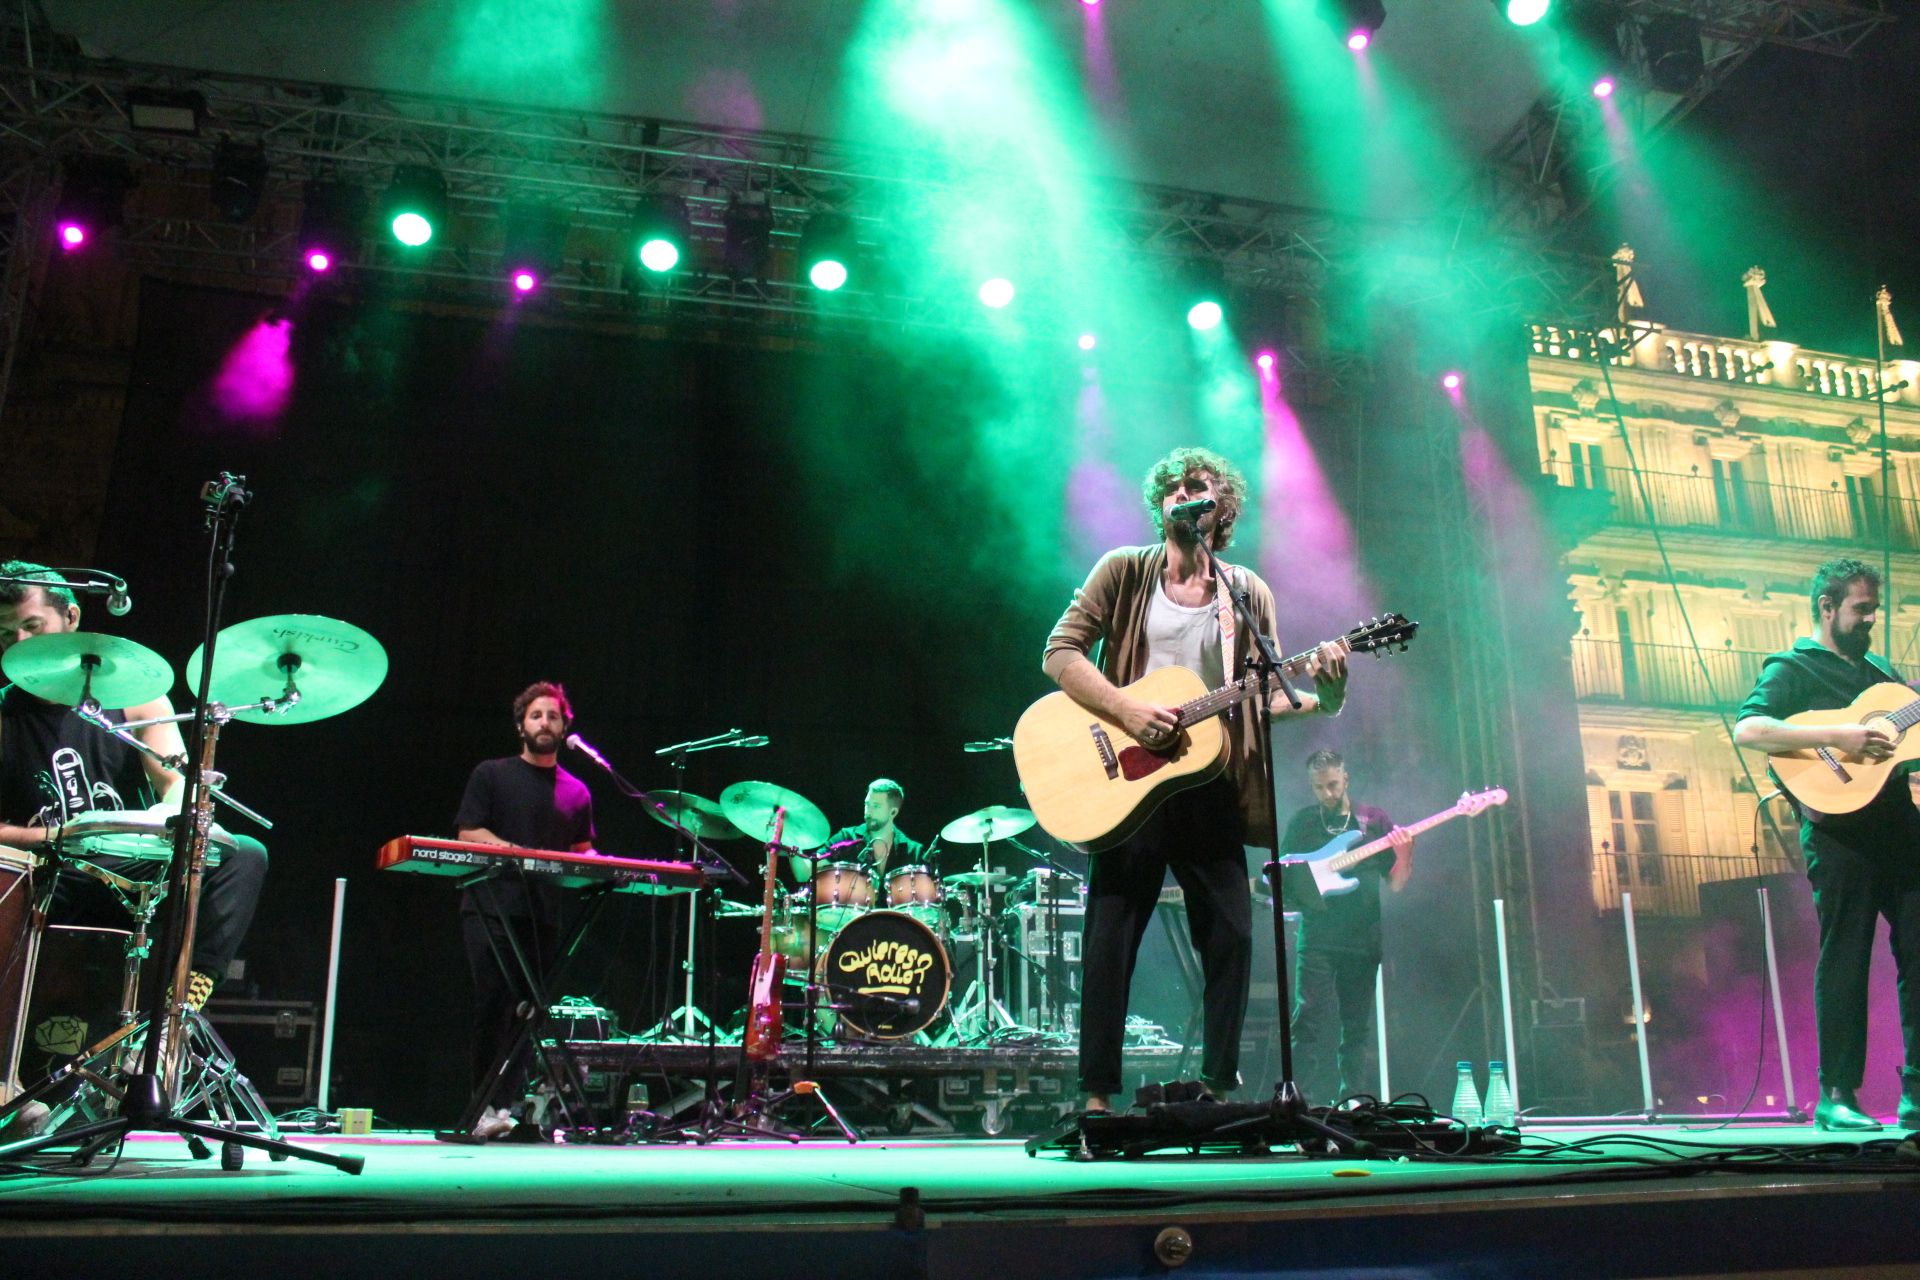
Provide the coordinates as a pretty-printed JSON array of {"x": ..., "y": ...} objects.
[
  {"x": 989, "y": 744},
  {"x": 581, "y": 745},
  {"x": 119, "y": 603},
  {"x": 1191, "y": 510}
]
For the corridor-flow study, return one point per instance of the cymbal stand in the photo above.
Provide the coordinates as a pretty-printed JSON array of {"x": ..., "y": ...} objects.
[
  {"x": 151, "y": 1099},
  {"x": 979, "y": 1006}
]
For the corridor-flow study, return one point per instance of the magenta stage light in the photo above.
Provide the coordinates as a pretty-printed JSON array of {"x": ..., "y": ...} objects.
[
  {"x": 1451, "y": 381},
  {"x": 72, "y": 236},
  {"x": 1091, "y": 4},
  {"x": 1603, "y": 87},
  {"x": 1088, "y": 342},
  {"x": 1359, "y": 39},
  {"x": 1265, "y": 361},
  {"x": 525, "y": 281},
  {"x": 319, "y": 260}
]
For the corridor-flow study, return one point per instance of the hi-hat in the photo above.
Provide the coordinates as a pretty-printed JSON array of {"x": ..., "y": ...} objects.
[
  {"x": 697, "y": 814},
  {"x": 55, "y": 667},
  {"x": 335, "y": 665},
  {"x": 750, "y": 806},
  {"x": 995, "y": 822}
]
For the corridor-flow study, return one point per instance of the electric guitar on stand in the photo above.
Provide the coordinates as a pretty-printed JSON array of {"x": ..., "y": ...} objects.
[
  {"x": 762, "y": 1041},
  {"x": 1090, "y": 782},
  {"x": 1344, "y": 852}
]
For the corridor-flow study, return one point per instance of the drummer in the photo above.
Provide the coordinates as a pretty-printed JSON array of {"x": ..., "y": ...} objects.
[
  {"x": 877, "y": 844},
  {"x": 54, "y": 766}
]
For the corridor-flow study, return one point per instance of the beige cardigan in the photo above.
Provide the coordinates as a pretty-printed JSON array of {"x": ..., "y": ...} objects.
[{"x": 1106, "y": 622}]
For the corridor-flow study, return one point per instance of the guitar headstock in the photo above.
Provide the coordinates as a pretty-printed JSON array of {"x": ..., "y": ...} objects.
[
  {"x": 1379, "y": 635},
  {"x": 1472, "y": 802}
]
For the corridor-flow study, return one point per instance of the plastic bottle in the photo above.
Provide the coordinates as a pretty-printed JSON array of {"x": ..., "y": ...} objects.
[
  {"x": 1499, "y": 1108},
  {"x": 1466, "y": 1098}
]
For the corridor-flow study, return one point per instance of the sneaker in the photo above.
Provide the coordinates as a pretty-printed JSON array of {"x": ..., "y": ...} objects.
[{"x": 494, "y": 1122}]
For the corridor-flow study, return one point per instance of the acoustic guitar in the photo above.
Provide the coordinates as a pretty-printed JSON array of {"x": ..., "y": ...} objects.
[
  {"x": 1090, "y": 782},
  {"x": 1829, "y": 781}
]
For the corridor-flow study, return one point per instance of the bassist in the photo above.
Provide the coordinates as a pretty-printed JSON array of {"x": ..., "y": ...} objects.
[
  {"x": 1143, "y": 608},
  {"x": 1340, "y": 947}
]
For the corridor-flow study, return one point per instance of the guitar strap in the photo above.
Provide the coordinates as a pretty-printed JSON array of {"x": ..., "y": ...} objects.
[{"x": 1223, "y": 606}]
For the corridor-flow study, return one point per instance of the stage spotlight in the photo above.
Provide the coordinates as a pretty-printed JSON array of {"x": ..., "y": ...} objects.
[
  {"x": 93, "y": 193},
  {"x": 1590, "y": 45},
  {"x": 1203, "y": 290},
  {"x": 1355, "y": 21},
  {"x": 1205, "y": 315},
  {"x": 1604, "y": 87},
  {"x": 415, "y": 204},
  {"x": 332, "y": 216},
  {"x": 1088, "y": 342},
  {"x": 1674, "y": 59},
  {"x": 239, "y": 180},
  {"x": 997, "y": 292},
  {"x": 1266, "y": 362},
  {"x": 662, "y": 232},
  {"x": 533, "y": 246},
  {"x": 1523, "y": 13},
  {"x": 826, "y": 250},
  {"x": 748, "y": 244},
  {"x": 1451, "y": 381}
]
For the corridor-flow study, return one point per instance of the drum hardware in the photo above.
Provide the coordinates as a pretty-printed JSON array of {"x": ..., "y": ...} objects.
[
  {"x": 154, "y": 1097},
  {"x": 981, "y": 1015}
]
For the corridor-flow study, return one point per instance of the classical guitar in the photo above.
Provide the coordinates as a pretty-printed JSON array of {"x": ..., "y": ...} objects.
[
  {"x": 1092, "y": 783},
  {"x": 1344, "y": 851},
  {"x": 1829, "y": 781},
  {"x": 762, "y": 1043}
]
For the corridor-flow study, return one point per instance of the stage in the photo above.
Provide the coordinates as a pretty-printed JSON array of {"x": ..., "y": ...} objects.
[{"x": 1752, "y": 1200}]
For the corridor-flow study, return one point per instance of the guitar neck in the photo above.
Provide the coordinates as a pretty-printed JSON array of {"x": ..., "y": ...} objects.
[
  {"x": 1360, "y": 853},
  {"x": 1235, "y": 692}
]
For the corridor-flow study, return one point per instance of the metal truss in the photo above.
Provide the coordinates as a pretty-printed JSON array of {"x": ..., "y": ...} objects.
[{"x": 1549, "y": 167}]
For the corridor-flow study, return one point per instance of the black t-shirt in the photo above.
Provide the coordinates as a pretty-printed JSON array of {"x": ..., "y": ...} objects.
[
  {"x": 1347, "y": 922},
  {"x": 906, "y": 851},
  {"x": 51, "y": 760},
  {"x": 1812, "y": 677},
  {"x": 531, "y": 806}
]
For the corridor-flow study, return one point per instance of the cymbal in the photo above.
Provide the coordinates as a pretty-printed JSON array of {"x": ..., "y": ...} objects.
[
  {"x": 125, "y": 673},
  {"x": 979, "y": 877},
  {"x": 736, "y": 910},
  {"x": 335, "y": 665},
  {"x": 750, "y": 806},
  {"x": 995, "y": 822},
  {"x": 697, "y": 814}
]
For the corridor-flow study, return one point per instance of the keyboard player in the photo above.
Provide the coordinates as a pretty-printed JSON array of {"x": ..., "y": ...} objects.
[{"x": 530, "y": 801}]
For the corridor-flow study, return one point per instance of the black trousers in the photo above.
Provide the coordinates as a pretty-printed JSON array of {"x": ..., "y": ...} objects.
[
  {"x": 497, "y": 999},
  {"x": 1333, "y": 1047},
  {"x": 1198, "y": 836},
  {"x": 1852, "y": 888},
  {"x": 228, "y": 896}
]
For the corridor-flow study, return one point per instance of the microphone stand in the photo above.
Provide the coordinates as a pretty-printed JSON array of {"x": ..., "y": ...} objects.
[{"x": 1287, "y": 1107}]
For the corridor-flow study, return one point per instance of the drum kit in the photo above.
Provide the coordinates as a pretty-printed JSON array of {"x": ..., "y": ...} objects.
[
  {"x": 879, "y": 949},
  {"x": 283, "y": 669}
]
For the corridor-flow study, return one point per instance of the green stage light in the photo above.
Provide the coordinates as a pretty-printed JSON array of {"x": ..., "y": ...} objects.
[
  {"x": 662, "y": 233},
  {"x": 826, "y": 251},
  {"x": 415, "y": 204},
  {"x": 1523, "y": 13},
  {"x": 1205, "y": 314}
]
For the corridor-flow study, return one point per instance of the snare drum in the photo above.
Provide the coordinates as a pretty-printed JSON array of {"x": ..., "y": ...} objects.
[
  {"x": 914, "y": 890},
  {"x": 843, "y": 890}
]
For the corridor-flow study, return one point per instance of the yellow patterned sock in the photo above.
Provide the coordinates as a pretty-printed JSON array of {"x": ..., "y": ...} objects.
[{"x": 199, "y": 988}]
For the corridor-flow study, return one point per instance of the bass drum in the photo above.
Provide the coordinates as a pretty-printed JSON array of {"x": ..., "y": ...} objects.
[{"x": 888, "y": 976}]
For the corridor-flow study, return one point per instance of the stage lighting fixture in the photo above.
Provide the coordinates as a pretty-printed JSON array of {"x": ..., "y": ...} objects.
[
  {"x": 415, "y": 205},
  {"x": 1088, "y": 342},
  {"x": 178, "y": 112},
  {"x": 826, "y": 251},
  {"x": 239, "y": 180},
  {"x": 1523, "y": 13},
  {"x": 332, "y": 217},
  {"x": 1265, "y": 361},
  {"x": 1590, "y": 45},
  {"x": 748, "y": 242},
  {"x": 662, "y": 232},
  {"x": 997, "y": 292},
  {"x": 93, "y": 193},
  {"x": 1202, "y": 290},
  {"x": 1355, "y": 21},
  {"x": 533, "y": 244},
  {"x": 1451, "y": 381},
  {"x": 1675, "y": 62}
]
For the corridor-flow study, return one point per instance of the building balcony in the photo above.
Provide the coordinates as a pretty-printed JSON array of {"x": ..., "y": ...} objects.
[
  {"x": 1662, "y": 675},
  {"x": 1747, "y": 508},
  {"x": 1668, "y": 884}
]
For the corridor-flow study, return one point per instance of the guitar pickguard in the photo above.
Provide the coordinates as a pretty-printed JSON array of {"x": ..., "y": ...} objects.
[{"x": 1138, "y": 762}]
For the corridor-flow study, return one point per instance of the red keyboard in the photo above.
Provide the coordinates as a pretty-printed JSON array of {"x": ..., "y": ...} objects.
[{"x": 429, "y": 856}]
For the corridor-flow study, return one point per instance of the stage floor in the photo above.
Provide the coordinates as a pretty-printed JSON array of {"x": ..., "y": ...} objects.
[{"x": 1641, "y": 1207}]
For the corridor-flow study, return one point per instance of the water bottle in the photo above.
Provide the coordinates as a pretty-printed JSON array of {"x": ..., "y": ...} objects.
[
  {"x": 1466, "y": 1098},
  {"x": 1499, "y": 1109}
]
